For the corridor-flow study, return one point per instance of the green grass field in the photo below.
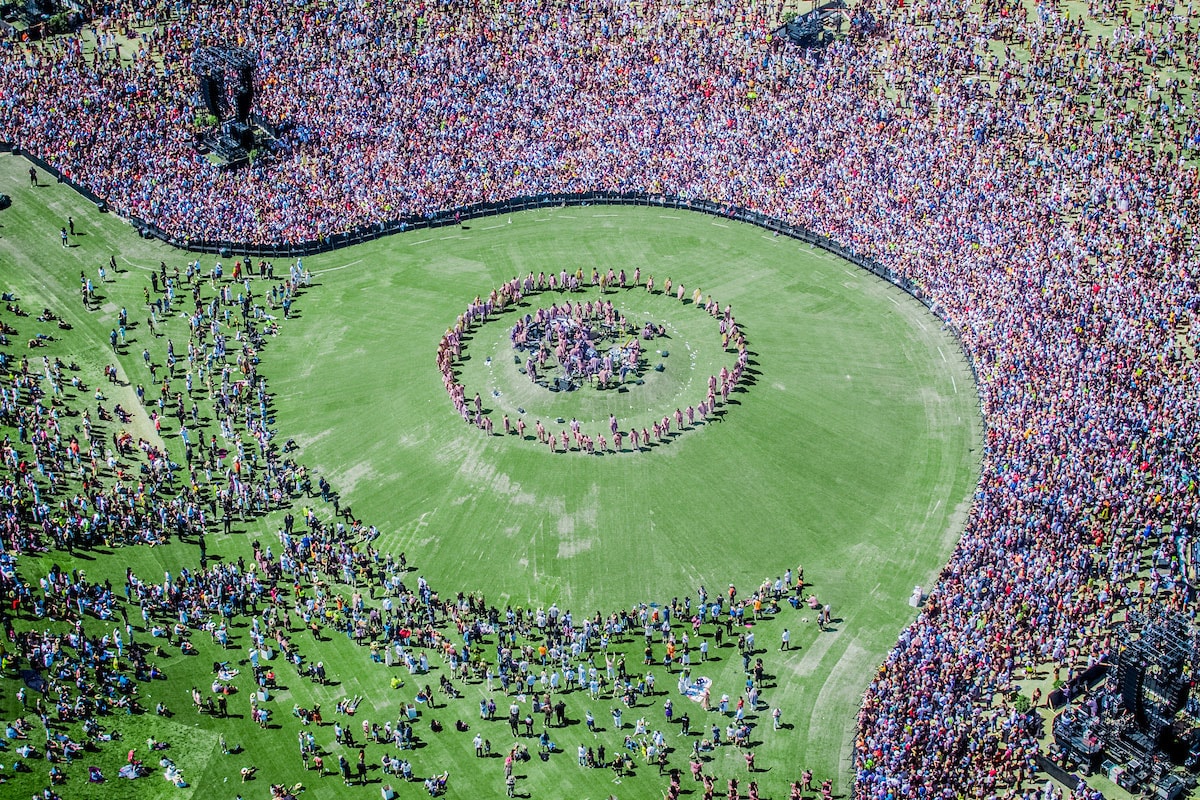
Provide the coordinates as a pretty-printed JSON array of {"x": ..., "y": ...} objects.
[{"x": 853, "y": 451}]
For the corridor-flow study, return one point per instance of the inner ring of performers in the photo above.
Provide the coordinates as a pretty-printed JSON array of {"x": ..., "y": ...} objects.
[{"x": 571, "y": 345}]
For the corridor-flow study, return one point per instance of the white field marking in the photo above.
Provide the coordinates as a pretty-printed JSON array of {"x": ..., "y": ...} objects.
[
  {"x": 422, "y": 241},
  {"x": 819, "y": 253},
  {"x": 421, "y": 521},
  {"x": 139, "y": 266},
  {"x": 922, "y": 324},
  {"x": 851, "y": 273},
  {"x": 894, "y": 300},
  {"x": 771, "y": 238},
  {"x": 565, "y": 216},
  {"x": 720, "y": 224},
  {"x": 606, "y": 215},
  {"x": 668, "y": 216},
  {"x": 343, "y": 266},
  {"x": 943, "y": 355},
  {"x": 453, "y": 236},
  {"x": 954, "y": 383}
]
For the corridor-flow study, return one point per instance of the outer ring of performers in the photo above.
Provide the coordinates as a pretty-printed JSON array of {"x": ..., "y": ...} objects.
[{"x": 616, "y": 436}]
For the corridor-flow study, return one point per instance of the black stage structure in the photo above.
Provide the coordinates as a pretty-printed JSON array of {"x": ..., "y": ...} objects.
[
  {"x": 811, "y": 29},
  {"x": 1134, "y": 718},
  {"x": 37, "y": 19},
  {"x": 226, "y": 92}
]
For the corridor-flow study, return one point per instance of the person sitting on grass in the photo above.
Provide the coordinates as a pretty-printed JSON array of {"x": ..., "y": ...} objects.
[
  {"x": 174, "y": 776},
  {"x": 436, "y": 785}
]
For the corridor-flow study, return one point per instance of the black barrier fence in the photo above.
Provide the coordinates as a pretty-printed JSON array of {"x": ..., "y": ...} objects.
[
  {"x": 457, "y": 216},
  {"x": 7, "y": 147}
]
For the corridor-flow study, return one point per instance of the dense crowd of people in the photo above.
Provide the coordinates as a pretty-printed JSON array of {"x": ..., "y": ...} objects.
[{"x": 1031, "y": 172}]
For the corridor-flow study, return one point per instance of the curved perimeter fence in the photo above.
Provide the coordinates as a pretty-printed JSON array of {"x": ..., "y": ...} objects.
[{"x": 456, "y": 216}]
